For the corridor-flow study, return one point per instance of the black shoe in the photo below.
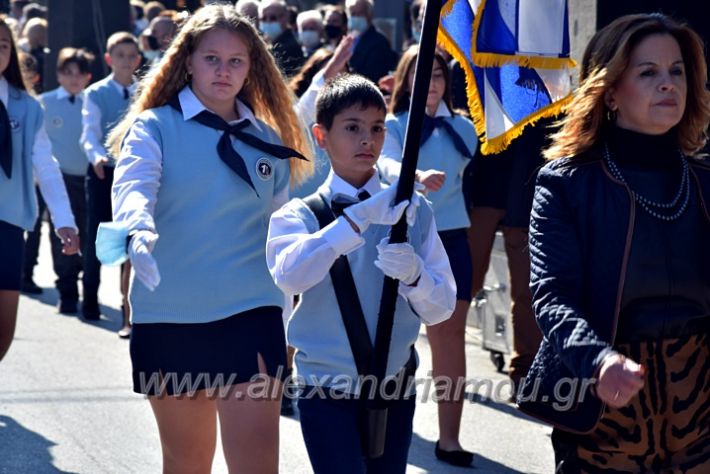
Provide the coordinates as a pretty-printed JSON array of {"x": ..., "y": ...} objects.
[
  {"x": 90, "y": 311},
  {"x": 30, "y": 287},
  {"x": 455, "y": 458},
  {"x": 67, "y": 306}
]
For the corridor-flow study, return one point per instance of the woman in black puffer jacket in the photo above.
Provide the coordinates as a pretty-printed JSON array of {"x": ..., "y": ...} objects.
[{"x": 620, "y": 260}]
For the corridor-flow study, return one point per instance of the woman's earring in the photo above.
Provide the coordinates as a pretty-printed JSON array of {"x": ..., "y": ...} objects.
[
  {"x": 188, "y": 76},
  {"x": 611, "y": 115}
]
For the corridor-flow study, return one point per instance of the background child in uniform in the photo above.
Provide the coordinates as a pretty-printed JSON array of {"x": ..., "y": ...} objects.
[
  {"x": 62, "y": 120},
  {"x": 350, "y": 127},
  {"x": 25, "y": 156},
  {"x": 105, "y": 103},
  {"x": 448, "y": 144}
]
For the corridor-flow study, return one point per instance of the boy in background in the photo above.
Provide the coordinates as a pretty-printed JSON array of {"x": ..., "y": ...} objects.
[
  {"x": 105, "y": 103},
  {"x": 62, "y": 120}
]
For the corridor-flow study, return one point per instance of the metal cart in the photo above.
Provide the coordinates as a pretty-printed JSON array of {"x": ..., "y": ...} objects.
[{"x": 490, "y": 308}]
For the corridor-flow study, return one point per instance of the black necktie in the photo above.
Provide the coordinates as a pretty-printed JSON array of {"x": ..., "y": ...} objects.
[
  {"x": 5, "y": 142},
  {"x": 342, "y": 201},
  {"x": 430, "y": 123},
  {"x": 72, "y": 98},
  {"x": 126, "y": 94},
  {"x": 226, "y": 151}
]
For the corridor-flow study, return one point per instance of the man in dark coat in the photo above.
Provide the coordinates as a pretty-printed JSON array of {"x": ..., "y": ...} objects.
[
  {"x": 373, "y": 56},
  {"x": 274, "y": 25}
]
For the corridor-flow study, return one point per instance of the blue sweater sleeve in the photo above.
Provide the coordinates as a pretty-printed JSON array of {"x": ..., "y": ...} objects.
[{"x": 556, "y": 277}]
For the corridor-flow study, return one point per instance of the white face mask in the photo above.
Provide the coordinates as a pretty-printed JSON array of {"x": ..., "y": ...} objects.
[
  {"x": 151, "y": 54},
  {"x": 271, "y": 30},
  {"x": 357, "y": 23},
  {"x": 309, "y": 38}
]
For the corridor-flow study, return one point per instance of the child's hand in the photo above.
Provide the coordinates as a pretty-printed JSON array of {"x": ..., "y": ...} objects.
[
  {"x": 70, "y": 241},
  {"x": 99, "y": 168},
  {"x": 342, "y": 54},
  {"x": 379, "y": 209},
  {"x": 144, "y": 264},
  {"x": 432, "y": 179},
  {"x": 399, "y": 261}
]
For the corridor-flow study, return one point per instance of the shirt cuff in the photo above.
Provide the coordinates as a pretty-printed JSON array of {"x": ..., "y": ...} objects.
[
  {"x": 341, "y": 236},
  {"x": 421, "y": 291}
]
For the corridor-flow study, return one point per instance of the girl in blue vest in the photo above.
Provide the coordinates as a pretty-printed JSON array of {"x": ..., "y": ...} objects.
[
  {"x": 447, "y": 145},
  {"x": 25, "y": 156},
  {"x": 202, "y": 166}
]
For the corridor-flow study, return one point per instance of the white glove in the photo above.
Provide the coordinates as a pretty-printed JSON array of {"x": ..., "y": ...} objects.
[
  {"x": 379, "y": 209},
  {"x": 398, "y": 261},
  {"x": 145, "y": 266}
]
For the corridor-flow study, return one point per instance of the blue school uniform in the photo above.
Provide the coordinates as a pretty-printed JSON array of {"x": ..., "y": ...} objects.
[
  {"x": 62, "y": 120},
  {"x": 112, "y": 104},
  {"x": 439, "y": 153},
  {"x": 18, "y": 200},
  {"x": 215, "y": 289}
]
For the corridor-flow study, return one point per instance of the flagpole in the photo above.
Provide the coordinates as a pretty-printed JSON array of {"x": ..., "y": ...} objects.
[{"x": 405, "y": 187}]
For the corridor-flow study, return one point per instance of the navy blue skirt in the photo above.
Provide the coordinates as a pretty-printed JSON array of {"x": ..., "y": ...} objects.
[
  {"x": 456, "y": 245},
  {"x": 12, "y": 246},
  {"x": 174, "y": 359}
]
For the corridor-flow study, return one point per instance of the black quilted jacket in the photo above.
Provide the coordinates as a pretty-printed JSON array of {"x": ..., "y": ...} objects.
[{"x": 581, "y": 230}]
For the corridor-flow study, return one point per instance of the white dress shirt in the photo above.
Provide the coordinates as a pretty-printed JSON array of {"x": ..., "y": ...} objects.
[
  {"x": 46, "y": 173},
  {"x": 298, "y": 260},
  {"x": 306, "y": 105},
  {"x": 140, "y": 167},
  {"x": 92, "y": 135}
]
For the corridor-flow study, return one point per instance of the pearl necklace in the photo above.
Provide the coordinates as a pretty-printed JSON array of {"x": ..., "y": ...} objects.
[{"x": 653, "y": 207}]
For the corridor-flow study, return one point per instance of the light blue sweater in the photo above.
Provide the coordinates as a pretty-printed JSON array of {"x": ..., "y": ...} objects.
[
  {"x": 18, "y": 201},
  {"x": 62, "y": 120},
  {"x": 212, "y": 225}
]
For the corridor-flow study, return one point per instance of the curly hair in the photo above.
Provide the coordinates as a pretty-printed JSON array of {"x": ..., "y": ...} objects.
[
  {"x": 264, "y": 89},
  {"x": 605, "y": 60}
]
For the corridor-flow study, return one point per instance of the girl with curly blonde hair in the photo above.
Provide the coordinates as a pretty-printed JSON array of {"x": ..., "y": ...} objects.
[{"x": 206, "y": 153}]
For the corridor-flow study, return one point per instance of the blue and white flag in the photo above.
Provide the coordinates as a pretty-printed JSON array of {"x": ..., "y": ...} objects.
[{"x": 504, "y": 95}]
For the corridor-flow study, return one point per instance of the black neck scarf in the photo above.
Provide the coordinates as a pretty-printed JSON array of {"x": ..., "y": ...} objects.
[
  {"x": 341, "y": 201},
  {"x": 431, "y": 123},
  {"x": 5, "y": 142},
  {"x": 226, "y": 151}
]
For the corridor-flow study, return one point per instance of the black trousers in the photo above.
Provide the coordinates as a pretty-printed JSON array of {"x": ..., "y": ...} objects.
[
  {"x": 32, "y": 240},
  {"x": 68, "y": 267},
  {"x": 98, "y": 210}
]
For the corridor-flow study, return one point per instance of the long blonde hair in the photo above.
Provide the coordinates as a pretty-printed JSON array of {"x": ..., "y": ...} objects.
[
  {"x": 264, "y": 89},
  {"x": 604, "y": 62}
]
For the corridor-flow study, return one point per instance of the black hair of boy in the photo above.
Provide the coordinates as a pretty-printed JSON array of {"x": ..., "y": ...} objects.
[
  {"x": 79, "y": 56},
  {"x": 345, "y": 91}
]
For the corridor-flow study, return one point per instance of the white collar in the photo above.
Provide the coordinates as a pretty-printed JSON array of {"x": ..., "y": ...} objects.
[
  {"x": 4, "y": 90},
  {"x": 191, "y": 106},
  {"x": 62, "y": 93},
  {"x": 338, "y": 185},
  {"x": 119, "y": 87},
  {"x": 442, "y": 110}
]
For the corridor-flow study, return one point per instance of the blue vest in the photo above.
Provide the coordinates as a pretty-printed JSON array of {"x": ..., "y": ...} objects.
[
  {"x": 18, "y": 202},
  {"x": 316, "y": 330},
  {"x": 439, "y": 153},
  {"x": 111, "y": 104},
  {"x": 212, "y": 248},
  {"x": 62, "y": 120}
]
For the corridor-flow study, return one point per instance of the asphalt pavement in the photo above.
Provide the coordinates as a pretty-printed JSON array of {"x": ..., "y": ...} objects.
[{"x": 66, "y": 404}]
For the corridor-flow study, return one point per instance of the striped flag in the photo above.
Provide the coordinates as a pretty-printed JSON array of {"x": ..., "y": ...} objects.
[{"x": 515, "y": 54}]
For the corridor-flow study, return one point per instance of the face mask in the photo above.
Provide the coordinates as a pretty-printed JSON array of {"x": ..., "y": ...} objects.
[
  {"x": 111, "y": 243},
  {"x": 416, "y": 35},
  {"x": 271, "y": 30},
  {"x": 309, "y": 38},
  {"x": 333, "y": 32},
  {"x": 357, "y": 23},
  {"x": 150, "y": 55}
]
